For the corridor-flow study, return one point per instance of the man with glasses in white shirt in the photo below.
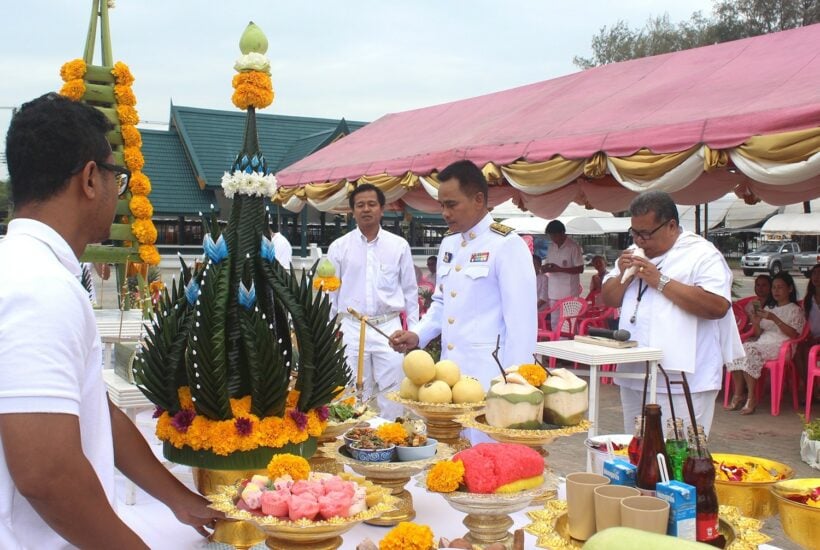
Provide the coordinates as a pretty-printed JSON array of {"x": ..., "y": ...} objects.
[
  {"x": 678, "y": 300},
  {"x": 378, "y": 281}
]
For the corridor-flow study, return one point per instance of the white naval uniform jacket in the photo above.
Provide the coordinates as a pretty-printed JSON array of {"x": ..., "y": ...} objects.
[{"x": 485, "y": 287}]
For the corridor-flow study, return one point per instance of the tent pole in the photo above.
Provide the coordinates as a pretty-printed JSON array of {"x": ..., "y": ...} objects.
[
  {"x": 706, "y": 220},
  {"x": 697, "y": 219}
]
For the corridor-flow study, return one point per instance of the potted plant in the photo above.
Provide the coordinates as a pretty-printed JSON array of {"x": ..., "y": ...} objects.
[{"x": 810, "y": 443}]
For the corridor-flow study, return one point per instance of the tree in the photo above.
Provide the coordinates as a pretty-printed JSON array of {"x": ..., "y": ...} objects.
[
  {"x": 5, "y": 202},
  {"x": 731, "y": 20}
]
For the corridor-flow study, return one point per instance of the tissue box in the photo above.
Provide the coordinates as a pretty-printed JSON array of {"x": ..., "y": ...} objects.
[
  {"x": 682, "y": 508},
  {"x": 620, "y": 472}
]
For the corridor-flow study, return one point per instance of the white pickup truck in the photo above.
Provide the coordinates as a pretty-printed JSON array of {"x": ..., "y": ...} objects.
[{"x": 804, "y": 261}]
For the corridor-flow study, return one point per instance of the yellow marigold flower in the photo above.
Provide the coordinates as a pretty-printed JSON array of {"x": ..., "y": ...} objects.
[
  {"x": 241, "y": 407},
  {"x": 122, "y": 74},
  {"x": 141, "y": 208},
  {"x": 124, "y": 95},
  {"x": 315, "y": 425},
  {"x": 139, "y": 182},
  {"x": 156, "y": 287},
  {"x": 408, "y": 536},
  {"x": 144, "y": 231},
  {"x": 164, "y": 427},
  {"x": 73, "y": 70},
  {"x": 392, "y": 432},
  {"x": 445, "y": 476},
  {"x": 328, "y": 284},
  {"x": 128, "y": 116},
  {"x": 252, "y": 89},
  {"x": 533, "y": 374},
  {"x": 149, "y": 254},
  {"x": 133, "y": 158},
  {"x": 73, "y": 90},
  {"x": 131, "y": 136},
  {"x": 184, "y": 395},
  {"x": 288, "y": 464}
]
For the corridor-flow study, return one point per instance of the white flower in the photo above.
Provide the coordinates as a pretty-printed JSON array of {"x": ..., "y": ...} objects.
[
  {"x": 253, "y": 184},
  {"x": 253, "y": 61}
]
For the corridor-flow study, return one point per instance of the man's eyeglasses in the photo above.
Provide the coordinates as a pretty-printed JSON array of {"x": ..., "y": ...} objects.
[
  {"x": 121, "y": 173},
  {"x": 646, "y": 235}
]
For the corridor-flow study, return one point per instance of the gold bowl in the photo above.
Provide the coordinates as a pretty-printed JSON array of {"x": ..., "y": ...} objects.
[
  {"x": 531, "y": 438},
  {"x": 801, "y": 522},
  {"x": 754, "y": 499},
  {"x": 441, "y": 418},
  {"x": 302, "y": 534},
  {"x": 551, "y": 526}
]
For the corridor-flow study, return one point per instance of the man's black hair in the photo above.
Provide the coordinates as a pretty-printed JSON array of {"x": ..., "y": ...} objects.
[
  {"x": 366, "y": 187},
  {"x": 469, "y": 176},
  {"x": 50, "y": 139}
]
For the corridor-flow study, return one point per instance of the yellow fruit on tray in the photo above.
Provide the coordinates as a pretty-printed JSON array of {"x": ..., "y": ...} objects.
[
  {"x": 419, "y": 367},
  {"x": 436, "y": 391},
  {"x": 468, "y": 390},
  {"x": 448, "y": 371}
]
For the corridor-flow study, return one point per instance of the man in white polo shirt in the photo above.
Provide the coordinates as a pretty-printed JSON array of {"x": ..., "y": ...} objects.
[
  {"x": 565, "y": 263},
  {"x": 379, "y": 281},
  {"x": 60, "y": 436}
]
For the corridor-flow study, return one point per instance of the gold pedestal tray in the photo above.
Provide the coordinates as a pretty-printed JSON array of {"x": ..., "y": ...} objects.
[
  {"x": 535, "y": 439},
  {"x": 322, "y": 463},
  {"x": 393, "y": 476},
  {"x": 488, "y": 515},
  {"x": 239, "y": 534},
  {"x": 551, "y": 527},
  {"x": 441, "y": 418},
  {"x": 301, "y": 534}
]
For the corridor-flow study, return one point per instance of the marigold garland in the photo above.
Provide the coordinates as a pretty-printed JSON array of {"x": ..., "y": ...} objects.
[
  {"x": 144, "y": 230},
  {"x": 252, "y": 89},
  {"x": 131, "y": 137},
  {"x": 328, "y": 284},
  {"x": 124, "y": 95},
  {"x": 139, "y": 184},
  {"x": 73, "y": 70},
  {"x": 445, "y": 476},
  {"x": 533, "y": 374},
  {"x": 73, "y": 89},
  {"x": 133, "y": 158},
  {"x": 149, "y": 254},
  {"x": 122, "y": 74},
  {"x": 128, "y": 115},
  {"x": 392, "y": 432},
  {"x": 288, "y": 464},
  {"x": 408, "y": 536},
  {"x": 142, "y": 208}
]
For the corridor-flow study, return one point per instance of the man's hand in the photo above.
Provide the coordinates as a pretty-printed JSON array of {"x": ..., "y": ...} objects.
[
  {"x": 403, "y": 341},
  {"x": 193, "y": 510}
]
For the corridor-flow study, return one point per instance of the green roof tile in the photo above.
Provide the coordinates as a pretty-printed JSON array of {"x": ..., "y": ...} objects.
[
  {"x": 212, "y": 138},
  {"x": 174, "y": 189}
]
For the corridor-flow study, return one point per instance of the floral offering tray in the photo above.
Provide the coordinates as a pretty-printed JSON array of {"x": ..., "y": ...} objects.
[
  {"x": 477, "y": 421},
  {"x": 551, "y": 527},
  {"x": 421, "y": 405},
  {"x": 225, "y": 501},
  {"x": 338, "y": 451}
]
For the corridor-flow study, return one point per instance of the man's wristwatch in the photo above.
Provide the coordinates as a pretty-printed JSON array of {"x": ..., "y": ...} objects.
[{"x": 664, "y": 280}]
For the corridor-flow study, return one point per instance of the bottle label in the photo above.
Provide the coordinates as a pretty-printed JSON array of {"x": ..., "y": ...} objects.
[{"x": 707, "y": 526}]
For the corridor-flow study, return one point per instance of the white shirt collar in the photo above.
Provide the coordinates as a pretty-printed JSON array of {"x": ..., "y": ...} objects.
[
  {"x": 48, "y": 236},
  {"x": 364, "y": 239},
  {"x": 481, "y": 227}
]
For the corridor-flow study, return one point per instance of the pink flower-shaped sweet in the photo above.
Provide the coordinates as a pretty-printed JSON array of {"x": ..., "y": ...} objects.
[
  {"x": 338, "y": 485},
  {"x": 276, "y": 503},
  {"x": 313, "y": 487},
  {"x": 335, "y": 505},
  {"x": 303, "y": 506}
]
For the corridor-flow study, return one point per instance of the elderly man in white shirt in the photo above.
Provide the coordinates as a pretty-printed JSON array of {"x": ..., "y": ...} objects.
[
  {"x": 565, "y": 263},
  {"x": 378, "y": 281},
  {"x": 678, "y": 299}
]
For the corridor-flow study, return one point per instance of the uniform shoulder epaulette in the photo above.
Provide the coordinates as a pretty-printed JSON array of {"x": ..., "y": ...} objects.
[
  {"x": 501, "y": 229},
  {"x": 448, "y": 233}
]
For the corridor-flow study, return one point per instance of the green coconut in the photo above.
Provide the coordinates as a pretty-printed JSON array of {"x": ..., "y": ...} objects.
[
  {"x": 566, "y": 398},
  {"x": 514, "y": 404}
]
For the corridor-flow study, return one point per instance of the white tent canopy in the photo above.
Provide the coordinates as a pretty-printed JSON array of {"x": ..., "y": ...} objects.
[
  {"x": 792, "y": 224},
  {"x": 576, "y": 225}
]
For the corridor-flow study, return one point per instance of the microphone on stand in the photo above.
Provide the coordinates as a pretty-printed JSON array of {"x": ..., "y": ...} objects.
[{"x": 619, "y": 335}]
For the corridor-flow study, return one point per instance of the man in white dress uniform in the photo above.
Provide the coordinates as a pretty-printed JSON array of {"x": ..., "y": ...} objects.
[
  {"x": 378, "y": 281},
  {"x": 485, "y": 284},
  {"x": 678, "y": 300}
]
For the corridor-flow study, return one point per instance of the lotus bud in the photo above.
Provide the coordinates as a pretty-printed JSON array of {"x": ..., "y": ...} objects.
[{"x": 253, "y": 40}]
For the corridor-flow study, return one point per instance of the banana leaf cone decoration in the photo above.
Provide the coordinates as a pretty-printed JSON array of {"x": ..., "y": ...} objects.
[{"x": 221, "y": 336}]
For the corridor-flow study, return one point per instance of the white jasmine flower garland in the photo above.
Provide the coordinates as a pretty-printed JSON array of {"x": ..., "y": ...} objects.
[
  {"x": 253, "y": 184},
  {"x": 252, "y": 62}
]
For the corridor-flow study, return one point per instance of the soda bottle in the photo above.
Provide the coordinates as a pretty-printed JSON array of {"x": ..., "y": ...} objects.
[
  {"x": 648, "y": 470},
  {"x": 634, "y": 449},
  {"x": 677, "y": 447},
  {"x": 699, "y": 471}
]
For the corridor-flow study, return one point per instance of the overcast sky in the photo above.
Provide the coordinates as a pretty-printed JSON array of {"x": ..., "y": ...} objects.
[{"x": 354, "y": 59}]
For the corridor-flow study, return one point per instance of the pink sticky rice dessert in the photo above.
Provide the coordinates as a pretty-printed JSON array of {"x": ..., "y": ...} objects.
[
  {"x": 313, "y": 487},
  {"x": 304, "y": 506},
  {"x": 488, "y": 466},
  {"x": 338, "y": 485},
  {"x": 276, "y": 503},
  {"x": 335, "y": 505}
]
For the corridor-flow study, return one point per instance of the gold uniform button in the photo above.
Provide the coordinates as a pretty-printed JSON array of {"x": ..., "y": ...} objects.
[
  {"x": 458, "y": 268},
  {"x": 463, "y": 243},
  {"x": 450, "y": 347},
  {"x": 453, "y": 293},
  {"x": 472, "y": 234},
  {"x": 451, "y": 320}
]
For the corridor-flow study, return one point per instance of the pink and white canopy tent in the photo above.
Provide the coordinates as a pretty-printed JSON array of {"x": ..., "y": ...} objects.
[{"x": 742, "y": 116}]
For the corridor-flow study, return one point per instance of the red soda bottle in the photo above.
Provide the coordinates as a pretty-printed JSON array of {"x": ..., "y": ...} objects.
[
  {"x": 634, "y": 449},
  {"x": 699, "y": 471}
]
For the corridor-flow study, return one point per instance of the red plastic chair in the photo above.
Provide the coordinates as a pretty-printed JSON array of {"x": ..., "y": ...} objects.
[
  {"x": 739, "y": 307},
  {"x": 571, "y": 311},
  {"x": 812, "y": 371}
]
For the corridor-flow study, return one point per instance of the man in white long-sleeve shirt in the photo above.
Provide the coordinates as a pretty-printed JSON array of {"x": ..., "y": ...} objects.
[{"x": 378, "y": 280}]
